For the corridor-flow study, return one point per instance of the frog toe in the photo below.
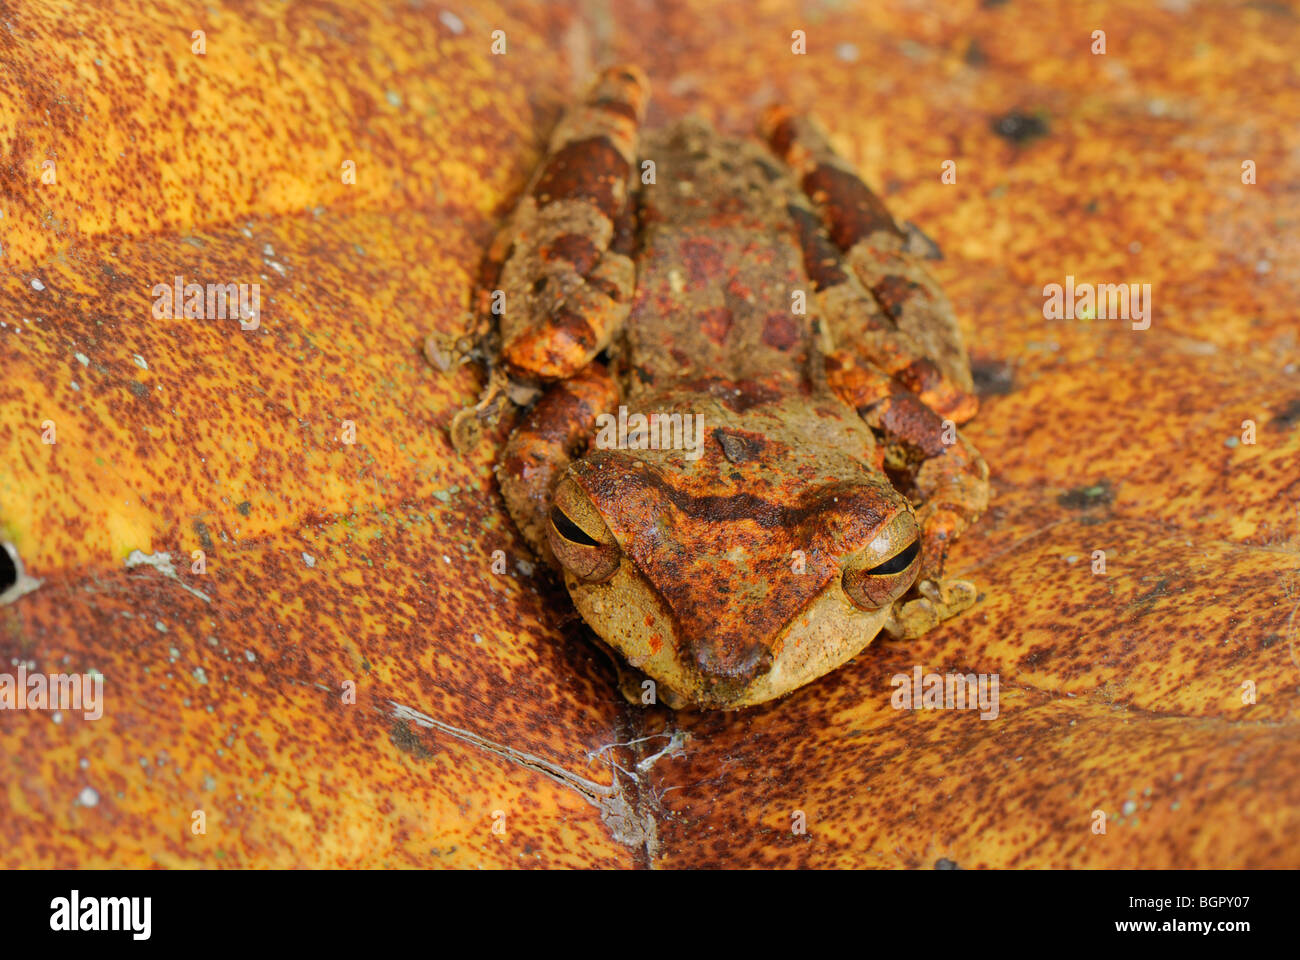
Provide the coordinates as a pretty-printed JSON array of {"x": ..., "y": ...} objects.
[
  {"x": 939, "y": 600},
  {"x": 912, "y": 618},
  {"x": 950, "y": 597}
]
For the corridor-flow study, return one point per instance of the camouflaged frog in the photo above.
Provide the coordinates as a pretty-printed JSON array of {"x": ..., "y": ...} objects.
[{"x": 770, "y": 293}]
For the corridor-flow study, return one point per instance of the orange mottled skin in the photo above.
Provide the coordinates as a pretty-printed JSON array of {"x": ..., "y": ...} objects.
[{"x": 822, "y": 360}]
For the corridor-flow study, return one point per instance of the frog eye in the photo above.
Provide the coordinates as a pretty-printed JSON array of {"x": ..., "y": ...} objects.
[
  {"x": 880, "y": 574},
  {"x": 579, "y": 537}
]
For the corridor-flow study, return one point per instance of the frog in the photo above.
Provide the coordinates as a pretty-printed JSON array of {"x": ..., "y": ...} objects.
[{"x": 758, "y": 290}]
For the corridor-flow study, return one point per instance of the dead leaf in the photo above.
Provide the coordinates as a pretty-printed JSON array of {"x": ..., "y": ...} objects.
[{"x": 368, "y": 566}]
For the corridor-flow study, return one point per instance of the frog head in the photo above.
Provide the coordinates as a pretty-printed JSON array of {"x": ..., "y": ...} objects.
[{"x": 735, "y": 572}]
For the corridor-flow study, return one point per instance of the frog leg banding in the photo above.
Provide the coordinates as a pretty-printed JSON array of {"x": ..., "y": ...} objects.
[
  {"x": 568, "y": 277},
  {"x": 949, "y": 476},
  {"x": 556, "y": 429},
  {"x": 863, "y": 243}
]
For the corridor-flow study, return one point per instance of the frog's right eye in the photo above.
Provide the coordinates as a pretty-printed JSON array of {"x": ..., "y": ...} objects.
[
  {"x": 884, "y": 571},
  {"x": 579, "y": 537}
]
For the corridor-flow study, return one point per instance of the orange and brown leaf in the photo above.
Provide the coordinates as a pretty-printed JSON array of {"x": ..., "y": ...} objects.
[{"x": 372, "y": 564}]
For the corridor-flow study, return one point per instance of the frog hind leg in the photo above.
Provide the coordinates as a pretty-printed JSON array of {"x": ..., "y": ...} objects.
[
  {"x": 949, "y": 476},
  {"x": 567, "y": 274},
  {"x": 541, "y": 446},
  {"x": 872, "y": 287}
]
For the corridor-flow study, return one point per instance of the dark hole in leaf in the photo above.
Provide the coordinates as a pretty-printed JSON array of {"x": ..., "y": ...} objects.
[
  {"x": 8, "y": 569},
  {"x": 1019, "y": 127}
]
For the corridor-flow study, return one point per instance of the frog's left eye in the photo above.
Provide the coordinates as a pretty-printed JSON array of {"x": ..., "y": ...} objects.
[
  {"x": 880, "y": 574},
  {"x": 579, "y": 537}
]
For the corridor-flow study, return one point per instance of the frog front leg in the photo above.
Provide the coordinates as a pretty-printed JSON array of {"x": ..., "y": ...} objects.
[
  {"x": 949, "y": 476},
  {"x": 568, "y": 275},
  {"x": 862, "y": 250},
  {"x": 557, "y": 428}
]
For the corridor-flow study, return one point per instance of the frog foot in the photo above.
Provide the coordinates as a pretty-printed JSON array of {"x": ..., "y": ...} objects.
[{"x": 939, "y": 600}]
